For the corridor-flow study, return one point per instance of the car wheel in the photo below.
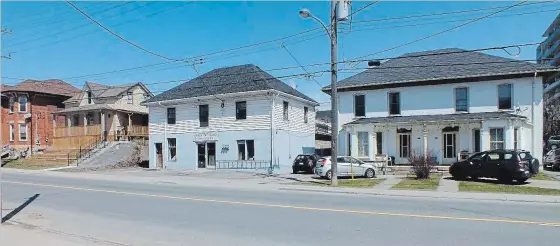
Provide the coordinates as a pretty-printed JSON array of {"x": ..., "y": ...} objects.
[
  {"x": 457, "y": 174},
  {"x": 505, "y": 178},
  {"x": 328, "y": 175},
  {"x": 521, "y": 181},
  {"x": 370, "y": 173},
  {"x": 294, "y": 171}
]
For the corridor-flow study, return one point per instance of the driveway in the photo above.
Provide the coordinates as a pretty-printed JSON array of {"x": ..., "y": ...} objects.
[{"x": 555, "y": 175}]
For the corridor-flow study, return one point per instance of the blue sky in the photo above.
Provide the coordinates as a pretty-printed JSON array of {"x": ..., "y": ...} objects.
[{"x": 53, "y": 40}]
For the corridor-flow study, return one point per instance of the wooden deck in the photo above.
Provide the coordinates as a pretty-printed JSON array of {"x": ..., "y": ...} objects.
[{"x": 75, "y": 136}]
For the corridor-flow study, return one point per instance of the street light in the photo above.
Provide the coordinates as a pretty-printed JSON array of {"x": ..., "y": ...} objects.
[{"x": 305, "y": 13}]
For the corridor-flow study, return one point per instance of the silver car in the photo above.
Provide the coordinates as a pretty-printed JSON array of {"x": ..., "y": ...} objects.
[
  {"x": 346, "y": 166},
  {"x": 553, "y": 142}
]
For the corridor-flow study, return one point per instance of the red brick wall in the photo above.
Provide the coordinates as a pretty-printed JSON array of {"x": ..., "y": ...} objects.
[{"x": 40, "y": 125}]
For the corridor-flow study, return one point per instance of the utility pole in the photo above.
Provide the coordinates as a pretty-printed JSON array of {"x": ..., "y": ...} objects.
[
  {"x": 3, "y": 31},
  {"x": 334, "y": 101}
]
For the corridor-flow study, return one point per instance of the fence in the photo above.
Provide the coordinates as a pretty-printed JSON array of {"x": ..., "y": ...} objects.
[{"x": 246, "y": 164}]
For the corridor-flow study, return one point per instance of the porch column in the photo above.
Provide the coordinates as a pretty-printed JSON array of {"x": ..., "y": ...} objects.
[
  {"x": 54, "y": 125},
  {"x": 484, "y": 137},
  {"x": 425, "y": 136},
  {"x": 69, "y": 123},
  {"x": 129, "y": 124},
  {"x": 508, "y": 135},
  {"x": 85, "y": 124},
  {"x": 103, "y": 130}
]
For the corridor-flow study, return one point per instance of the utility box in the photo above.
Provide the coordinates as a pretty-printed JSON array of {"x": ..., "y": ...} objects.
[{"x": 342, "y": 10}]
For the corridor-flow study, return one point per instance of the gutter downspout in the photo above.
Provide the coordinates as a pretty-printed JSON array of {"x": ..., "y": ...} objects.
[
  {"x": 272, "y": 132},
  {"x": 533, "y": 117},
  {"x": 163, "y": 143}
]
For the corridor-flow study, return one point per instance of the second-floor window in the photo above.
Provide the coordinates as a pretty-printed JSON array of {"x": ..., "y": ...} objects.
[
  {"x": 394, "y": 103},
  {"x": 203, "y": 115},
  {"x": 22, "y": 103},
  {"x": 171, "y": 116},
  {"x": 12, "y": 102},
  {"x": 241, "y": 110},
  {"x": 285, "y": 110},
  {"x": 305, "y": 113},
  {"x": 359, "y": 105},
  {"x": 504, "y": 96},
  {"x": 130, "y": 98},
  {"x": 89, "y": 98},
  {"x": 462, "y": 99}
]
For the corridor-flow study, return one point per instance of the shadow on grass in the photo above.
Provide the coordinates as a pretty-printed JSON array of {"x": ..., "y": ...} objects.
[
  {"x": 18, "y": 209},
  {"x": 487, "y": 181}
]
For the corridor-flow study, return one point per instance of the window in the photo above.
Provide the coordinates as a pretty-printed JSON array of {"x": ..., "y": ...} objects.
[
  {"x": 171, "y": 119},
  {"x": 89, "y": 98},
  {"x": 172, "y": 146},
  {"x": 241, "y": 110},
  {"x": 476, "y": 140},
  {"x": 477, "y": 157},
  {"x": 22, "y": 132},
  {"x": 22, "y": 103},
  {"x": 245, "y": 149},
  {"x": 12, "y": 133},
  {"x": 12, "y": 102},
  {"x": 394, "y": 103},
  {"x": 130, "y": 98},
  {"x": 404, "y": 145},
  {"x": 359, "y": 105},
  {"x": 363, "y": 144},
  {"x": 285, "y": 112},
  {"x": 496, "y": 138},
  {"x": 504, "y": 96},
  {"x": 203, "y": 115},
  {"x": 305, "y": 111},
  {"x": 462, "y": 99},
  {"x": 449, "y": 145},
  {"x": 515, "y": 137},
  {"x": 379, "y": 139}
]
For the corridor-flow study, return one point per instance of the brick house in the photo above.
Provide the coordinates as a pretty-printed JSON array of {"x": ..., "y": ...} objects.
[{"x": 27, "y": 119}]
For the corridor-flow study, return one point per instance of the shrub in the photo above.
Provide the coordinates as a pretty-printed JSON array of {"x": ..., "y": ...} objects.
[{"x": 422, "y": 165}]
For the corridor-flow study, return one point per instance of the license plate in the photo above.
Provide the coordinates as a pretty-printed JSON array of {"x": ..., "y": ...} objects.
[{"x": 301, "y": 163}]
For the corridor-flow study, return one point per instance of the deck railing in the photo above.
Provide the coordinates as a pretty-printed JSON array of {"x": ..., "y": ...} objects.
[
  {"x": 76, "y": 131},
  {"x": 138, "y": 130}
]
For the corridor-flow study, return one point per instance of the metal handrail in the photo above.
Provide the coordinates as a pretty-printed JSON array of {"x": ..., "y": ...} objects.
[
  {"x": 85, "y": 150},
  {"x": 243, "y": 164}
]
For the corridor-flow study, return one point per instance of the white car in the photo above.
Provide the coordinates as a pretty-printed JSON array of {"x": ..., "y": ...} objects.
[{"x": 346, "y": 165}]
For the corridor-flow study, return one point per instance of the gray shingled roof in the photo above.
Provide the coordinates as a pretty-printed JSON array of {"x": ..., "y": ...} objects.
[
  {"x": 436, "y": 118},
  {"x": 425, "y": 66},
  {"x": 226, "y": 80},
  {"x": 103, "y": 91}
]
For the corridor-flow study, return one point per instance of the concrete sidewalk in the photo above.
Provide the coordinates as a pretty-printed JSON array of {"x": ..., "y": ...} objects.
[
  {"x": 286, "y": 183},
  {"x": 20, "y": 235}
]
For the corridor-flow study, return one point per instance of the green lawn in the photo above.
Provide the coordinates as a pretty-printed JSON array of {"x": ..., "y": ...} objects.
[
  {"x": 32, "y": 164},
  {"x": 542, "y": 176},
  {"x": 501, "y": 188},
  {"x": 411, "y": 183},
  {"x": 360, "y": 183}
]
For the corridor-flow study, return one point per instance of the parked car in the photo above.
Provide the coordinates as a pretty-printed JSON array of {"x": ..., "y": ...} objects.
[
  {"x": 553, "y": 142},
  {"x": 552, "y": 160},
  {"x": 346, "y": 165},
  {"x": 504, "y": 165},
  {"x": 304, "y": 163}
]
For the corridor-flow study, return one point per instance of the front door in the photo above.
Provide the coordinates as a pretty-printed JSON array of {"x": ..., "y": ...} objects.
[
  {"x": 159, "y": 156},
  {"x": 449, "y": 147},
  {"x": 201, "y": 150}
]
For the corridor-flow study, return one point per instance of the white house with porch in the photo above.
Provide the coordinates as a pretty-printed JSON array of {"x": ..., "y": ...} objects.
[{"x": 445, "y": 102}]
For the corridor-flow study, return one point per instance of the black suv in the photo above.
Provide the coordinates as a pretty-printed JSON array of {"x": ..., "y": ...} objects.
[
  {"x": 305, "y": 163},
  {"x": 504, "y": 165}
]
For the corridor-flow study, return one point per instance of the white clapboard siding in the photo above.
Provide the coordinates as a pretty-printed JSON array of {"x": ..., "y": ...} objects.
[
  {"x": 295, "y": 120},
  {"x": 220, "y": 119}
]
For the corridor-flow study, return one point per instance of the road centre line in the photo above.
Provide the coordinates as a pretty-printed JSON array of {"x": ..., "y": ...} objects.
[{"x": 540, "y": 223}]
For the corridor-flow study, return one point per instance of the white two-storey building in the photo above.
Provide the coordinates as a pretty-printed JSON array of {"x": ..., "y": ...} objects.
[
  {"x": 233, "y": 117},
  {"x": 445, "y": 102}
]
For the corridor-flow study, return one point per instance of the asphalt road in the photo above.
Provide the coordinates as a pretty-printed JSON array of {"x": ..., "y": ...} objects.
[{"x": 160, "y": 214}]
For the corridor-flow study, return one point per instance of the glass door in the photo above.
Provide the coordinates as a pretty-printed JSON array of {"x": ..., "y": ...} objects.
[
  {"x": 211, "y": 154},
  {"x": 201, "y": 150}
]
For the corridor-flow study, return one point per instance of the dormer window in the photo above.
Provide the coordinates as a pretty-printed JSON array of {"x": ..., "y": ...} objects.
[{"x": 130, "y": 98}]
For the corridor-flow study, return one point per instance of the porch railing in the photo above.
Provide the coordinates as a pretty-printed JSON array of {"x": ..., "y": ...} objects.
[
  {"x": 138, "y": 130},
  {"x": 244, "y": 164},
  {"x": 75, "y": 131}
]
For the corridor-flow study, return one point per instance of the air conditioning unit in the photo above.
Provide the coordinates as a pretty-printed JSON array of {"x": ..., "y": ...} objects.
[{"x": 27, "y": 115}]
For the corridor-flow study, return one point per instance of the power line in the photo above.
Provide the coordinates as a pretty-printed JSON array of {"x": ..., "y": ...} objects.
[
  {"x": 302, "y": 67},
  {"x": 446, "y": 30},
  {"x": 118, "y": 36}
]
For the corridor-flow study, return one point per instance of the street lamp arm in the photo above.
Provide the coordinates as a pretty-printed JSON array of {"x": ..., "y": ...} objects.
[{"x": 322, "y": 24}]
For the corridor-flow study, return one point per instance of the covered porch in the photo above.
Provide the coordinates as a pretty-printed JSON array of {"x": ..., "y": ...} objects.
[
  {"x": 85, "y": 123},
  {"x": 446, "y": 138}
]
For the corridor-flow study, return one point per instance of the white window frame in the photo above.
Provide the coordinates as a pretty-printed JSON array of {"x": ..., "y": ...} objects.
[
  {"x": 389, "y": 102},
  {"x": 363, "y": 144},
  {"x": 169, "y": 146},
  {"x": 245, "y": 150},
  {"x": 402, "y": 147},
  {"x": 354, "y": 106},
  {"x": 11, "y": 104},
  {"x": 496, "y": 141},
  {"x": 26, "y": 102},
  {"x": 12, "y": 133},
  {"x": 455, "y": 97},
  {"x": 510, "y": 96},
  {"x": 26, "y": 132}
]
